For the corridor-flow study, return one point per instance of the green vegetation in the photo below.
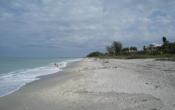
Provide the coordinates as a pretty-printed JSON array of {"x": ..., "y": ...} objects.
[
  {"x": 95, "y": 54},
  {"x": 164, "y": 51}
]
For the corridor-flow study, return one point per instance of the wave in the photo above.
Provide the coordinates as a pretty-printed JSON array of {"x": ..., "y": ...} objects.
[{"x": 13, "y": 81}]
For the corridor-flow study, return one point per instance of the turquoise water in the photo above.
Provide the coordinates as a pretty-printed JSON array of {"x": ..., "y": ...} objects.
[
  {"x": 16, "y": 72},
  {"x": 11, "y": 64}
]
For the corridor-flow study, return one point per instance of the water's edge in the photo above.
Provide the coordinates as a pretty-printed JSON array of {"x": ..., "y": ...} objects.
[{"x": 42, "y": 76}]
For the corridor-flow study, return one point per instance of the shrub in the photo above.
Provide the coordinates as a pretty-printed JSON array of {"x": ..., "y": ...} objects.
[{"x": 95, "y": 54}]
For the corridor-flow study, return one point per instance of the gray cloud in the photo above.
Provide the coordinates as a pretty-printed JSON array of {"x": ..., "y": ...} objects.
[{"x": 83, "y": 25}]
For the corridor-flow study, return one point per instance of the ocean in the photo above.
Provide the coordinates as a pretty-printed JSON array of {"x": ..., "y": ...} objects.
[{"x": 17, "y": 72}]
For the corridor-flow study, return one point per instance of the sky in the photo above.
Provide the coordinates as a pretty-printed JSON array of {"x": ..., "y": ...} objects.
[{"x": 73, "y": 28}]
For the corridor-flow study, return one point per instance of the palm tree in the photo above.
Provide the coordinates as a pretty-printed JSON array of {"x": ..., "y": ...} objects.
[
  {"x": 144, "y": 48},
  {"x": 164, "y": 39},
  {"x": 165, "y": 46}
]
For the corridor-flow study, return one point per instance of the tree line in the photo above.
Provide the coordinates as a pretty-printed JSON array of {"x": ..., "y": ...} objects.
[{"x": 117, "y": 49}]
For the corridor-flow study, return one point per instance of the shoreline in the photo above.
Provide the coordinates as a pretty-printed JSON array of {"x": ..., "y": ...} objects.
[
  {"x": 38, "y": 78},
  {"x": 100, "y": 84}
]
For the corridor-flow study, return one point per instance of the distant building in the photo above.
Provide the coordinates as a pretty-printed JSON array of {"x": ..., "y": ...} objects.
[
  {"x": 153, "y": 47},
  {"x": 156, "y": 45},
  {"x": 130, "y": 50}
]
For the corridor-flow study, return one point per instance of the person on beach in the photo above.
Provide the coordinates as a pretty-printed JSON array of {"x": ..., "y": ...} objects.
[{"x": 56, "y": 65}]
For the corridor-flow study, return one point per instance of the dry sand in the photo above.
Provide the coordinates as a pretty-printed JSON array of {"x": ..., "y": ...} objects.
[{"x": 95, "y": 84}]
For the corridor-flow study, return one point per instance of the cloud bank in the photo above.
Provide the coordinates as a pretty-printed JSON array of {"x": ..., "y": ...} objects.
[{"x": 76, "y": 27}]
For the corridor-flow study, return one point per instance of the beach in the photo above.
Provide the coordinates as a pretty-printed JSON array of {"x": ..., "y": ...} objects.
[{"x": 100, "y": 84}]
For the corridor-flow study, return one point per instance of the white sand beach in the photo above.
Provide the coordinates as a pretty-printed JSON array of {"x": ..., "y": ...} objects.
[{"x": 100, "y": 84}]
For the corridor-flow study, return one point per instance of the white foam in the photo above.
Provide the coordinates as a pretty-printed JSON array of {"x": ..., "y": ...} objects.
[{"x": 13, "y": 81}]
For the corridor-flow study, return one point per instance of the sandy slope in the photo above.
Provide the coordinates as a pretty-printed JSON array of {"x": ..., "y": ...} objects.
[{"x": 95, "y": 84}]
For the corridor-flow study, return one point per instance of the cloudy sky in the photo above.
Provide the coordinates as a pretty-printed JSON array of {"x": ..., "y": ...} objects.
[{"x": 76, "y": 27}]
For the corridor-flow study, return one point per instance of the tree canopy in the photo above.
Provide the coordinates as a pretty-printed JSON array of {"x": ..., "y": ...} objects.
[{"x": 95, "y": 54}]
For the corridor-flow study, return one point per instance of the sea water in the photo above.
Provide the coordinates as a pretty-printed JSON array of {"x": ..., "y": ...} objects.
[{"x": 16, "y": 72}]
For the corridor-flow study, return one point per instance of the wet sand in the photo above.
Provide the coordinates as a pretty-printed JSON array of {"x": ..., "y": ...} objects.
[{"x": 100, "y": 84}]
